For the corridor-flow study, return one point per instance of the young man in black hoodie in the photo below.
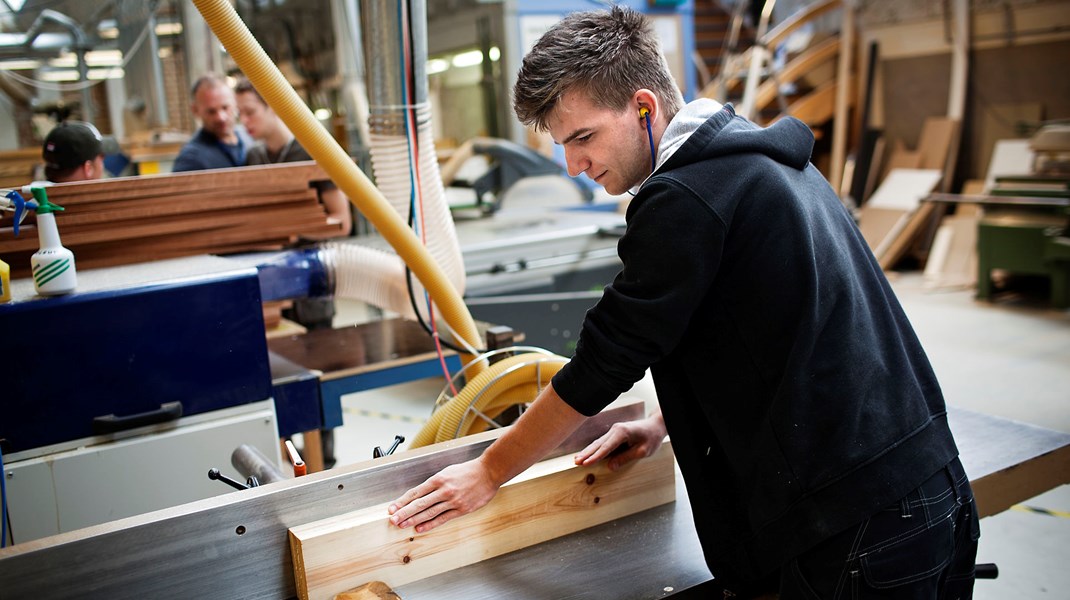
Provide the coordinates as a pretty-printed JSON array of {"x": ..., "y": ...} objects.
[{"x": 804, "y": 414}]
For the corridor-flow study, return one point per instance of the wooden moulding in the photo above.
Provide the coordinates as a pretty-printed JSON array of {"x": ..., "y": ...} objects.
[
  {"x": 551, "y": 499},
  {"x": 157, "y": 217}
]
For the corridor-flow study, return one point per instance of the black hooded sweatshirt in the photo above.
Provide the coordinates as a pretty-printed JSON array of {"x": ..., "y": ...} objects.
[{"x": 798, "y": 398}]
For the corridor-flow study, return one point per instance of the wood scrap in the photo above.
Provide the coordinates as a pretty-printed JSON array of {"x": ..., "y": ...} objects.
[
  {"x": 819, "y": 106},
  {"x": 796, "y": 68},
  {"x": 553, "y": 498},
  {"x": 911, "y": 175},
  {"x": 111, "y": 222},
  {"x": 953, "y": 260},
  {"x": 894, "y": 214},
  {"x": 376, "y": 590}
]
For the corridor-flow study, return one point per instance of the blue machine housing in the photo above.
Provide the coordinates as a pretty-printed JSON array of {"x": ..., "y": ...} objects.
[{"x": 197, "y": 340}]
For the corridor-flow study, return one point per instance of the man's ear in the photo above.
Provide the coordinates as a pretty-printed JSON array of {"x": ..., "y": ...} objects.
[{"x": 646, "y": 104}]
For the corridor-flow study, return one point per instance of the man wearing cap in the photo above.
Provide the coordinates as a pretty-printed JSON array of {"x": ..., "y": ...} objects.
[
  {"x": 73, "y": 152},
  {"x": 218, "y": 144}
]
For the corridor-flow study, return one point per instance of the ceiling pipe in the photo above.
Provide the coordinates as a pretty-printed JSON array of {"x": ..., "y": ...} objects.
[{"x": 80, "y": 46}]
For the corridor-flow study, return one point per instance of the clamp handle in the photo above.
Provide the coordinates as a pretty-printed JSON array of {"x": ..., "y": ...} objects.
[{"x": 378, "y": 451}]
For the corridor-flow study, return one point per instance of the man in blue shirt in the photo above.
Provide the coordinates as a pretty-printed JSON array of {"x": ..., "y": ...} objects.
[{"x": 218, "y": 144}]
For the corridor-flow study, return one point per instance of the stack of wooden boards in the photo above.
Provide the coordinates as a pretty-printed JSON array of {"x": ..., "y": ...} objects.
[
  {"x": 127, "y": 220},
  {"x": 895, "y": 216},
  {"x": 17, "y": 167}
]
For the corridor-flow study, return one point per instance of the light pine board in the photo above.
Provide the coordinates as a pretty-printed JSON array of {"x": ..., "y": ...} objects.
[{"x": 551, "y": 499}]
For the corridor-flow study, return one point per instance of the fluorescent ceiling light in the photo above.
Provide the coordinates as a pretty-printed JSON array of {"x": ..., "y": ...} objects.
[
  {"x": 19, "y": 65},
  {"x": 173, "y": 28},
  {"x": 437, "y": 65},
  {"x": 494, "y": 53},
  {"x": 93, "y": 58},
  {"x": 66, "y": 60},
  {"x": 468, "y": 59},
  {"x": 97, "y": 74},
  {"x": 66, "y": 75},
  {"x": 103, "y": 58},
  {"x": 322, "y": 113}
]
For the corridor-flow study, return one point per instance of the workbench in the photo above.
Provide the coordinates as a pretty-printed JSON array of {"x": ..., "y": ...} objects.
[{"x": 235, "y": 545}]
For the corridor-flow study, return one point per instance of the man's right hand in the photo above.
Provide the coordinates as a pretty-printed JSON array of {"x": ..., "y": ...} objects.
[
  {"x": 452, "y": 492},
  {"x": 460, "y": 489}
]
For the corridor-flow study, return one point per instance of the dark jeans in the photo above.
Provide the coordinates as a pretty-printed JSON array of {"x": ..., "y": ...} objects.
[{"x": 922, "y": 547}]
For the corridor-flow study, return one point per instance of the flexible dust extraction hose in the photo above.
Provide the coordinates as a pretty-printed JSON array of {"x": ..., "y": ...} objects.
[
  {"x": 265, "y": 76},
  {"x": 490, "y": 389},
  {"x": 493, "y": 390}
]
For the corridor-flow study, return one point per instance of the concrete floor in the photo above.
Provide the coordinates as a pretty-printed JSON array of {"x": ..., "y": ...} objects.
[{"x": 1010, "y": 358}]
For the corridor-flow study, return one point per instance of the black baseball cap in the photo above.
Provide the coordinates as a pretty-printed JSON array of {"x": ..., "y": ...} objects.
[{"x": 70, "y": 144}]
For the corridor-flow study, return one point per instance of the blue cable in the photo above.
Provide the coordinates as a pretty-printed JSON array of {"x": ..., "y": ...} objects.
[
  {"x": 411, "y": 134},
  {"x": 650, "y": 136},
  {"x": 3, "y": 503}
]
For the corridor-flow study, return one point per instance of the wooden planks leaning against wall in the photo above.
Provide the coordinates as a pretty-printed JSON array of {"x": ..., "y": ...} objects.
[
  {"x": 126, "y": 220},
  {"x": 551, "y": 499}
]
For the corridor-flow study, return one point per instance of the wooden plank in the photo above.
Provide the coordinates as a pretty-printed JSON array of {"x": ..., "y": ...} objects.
[
  {"x": 797, "y": 19},
  {"x": 843, "y": 73},
  {"x": 551, "y": 499},
  {"x": 904, "y": 188},
  {"x": 902, "y": 241},
  {"x": 796, "y": 68},
  {"x": 281, "y": 176},
  {"x": 197, "y": 207},
  {"x": 819, "y": 106},
  {"x": 877, "y": 223},
  {"x": 953, "y": 259},
  {"x": 73, "y": 237}
]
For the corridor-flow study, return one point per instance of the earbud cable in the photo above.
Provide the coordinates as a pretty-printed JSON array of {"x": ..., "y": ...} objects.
[{"x": 650, "y": 136}]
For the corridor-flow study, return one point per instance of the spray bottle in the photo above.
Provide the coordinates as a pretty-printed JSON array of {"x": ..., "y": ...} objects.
[{"x": 52, "y": 266}]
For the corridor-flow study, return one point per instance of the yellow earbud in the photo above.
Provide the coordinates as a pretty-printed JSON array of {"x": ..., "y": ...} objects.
[{"x": 644, "y": 112}]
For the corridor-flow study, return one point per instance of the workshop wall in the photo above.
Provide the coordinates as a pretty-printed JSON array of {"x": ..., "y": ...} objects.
[{"x": 1018, "y": 51}]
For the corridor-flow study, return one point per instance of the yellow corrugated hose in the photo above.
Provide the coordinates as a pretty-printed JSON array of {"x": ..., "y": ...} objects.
[
  {"x": 507, "y": 382},
  {"x": 505, "y": 387}
]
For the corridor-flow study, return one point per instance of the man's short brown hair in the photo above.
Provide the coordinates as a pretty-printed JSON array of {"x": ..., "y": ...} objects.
[
  {"x": 244, "y": 86},
  {"x": 608, "y": 55}
]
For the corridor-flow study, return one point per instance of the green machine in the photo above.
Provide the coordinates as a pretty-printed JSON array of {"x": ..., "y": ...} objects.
[{"x": 1026, "y": 230}]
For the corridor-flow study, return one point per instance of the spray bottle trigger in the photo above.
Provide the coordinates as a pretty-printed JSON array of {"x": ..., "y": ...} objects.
[{"x": 21, "y": 206}]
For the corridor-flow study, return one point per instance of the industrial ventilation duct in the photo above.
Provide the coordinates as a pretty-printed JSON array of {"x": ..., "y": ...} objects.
[{"x": 403, "y": 160}]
